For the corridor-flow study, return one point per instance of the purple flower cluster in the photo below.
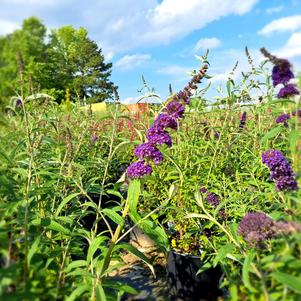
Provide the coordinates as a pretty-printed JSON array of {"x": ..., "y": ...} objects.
[
  {"x": 215, "y": 134},
  {"x": 280, "y": 170},
  {"x": 282, "y": 74},
  {"x": 165, "y": 121},
  {"x": 243, "y": 120},
  {"x": 18, "y": 103},
  {"x": 283, "y": 118},
  {"x": 138, "y": 170},
  {"x": 211, "y": 198},
  {"x": 157, "y": 133},
  {"x": 158, "y": 136},
  {"x": 175, "y": 109},
  {"x": 148, "y": 151},
  {"x": 287, "y": 91},
  {"x": 256, "y": 227}
]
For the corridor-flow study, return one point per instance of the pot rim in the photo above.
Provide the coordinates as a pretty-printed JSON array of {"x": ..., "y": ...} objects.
[{"x": 184, "y": 254}]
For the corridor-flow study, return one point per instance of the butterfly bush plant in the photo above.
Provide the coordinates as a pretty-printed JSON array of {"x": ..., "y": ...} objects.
[{"x": 235, "y": 166}]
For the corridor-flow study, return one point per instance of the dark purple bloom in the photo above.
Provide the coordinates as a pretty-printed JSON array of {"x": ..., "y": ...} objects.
[
  {"x": 203, "y": 189},
  {"x": 284, "y": 183},
  {"x": 276, "y": 161},
  {"x": 287, "y": 91},
  {"x": 175, "y": 109},
  {"x": 281, "y": 73},
  {"x": 94, "y": 138},
  {"x": 184, "y": 95},
  {"x": 283, "y": 119},
  {"x": 138, "y": 170},
  {"x": 297, "y": 113},
  {"x": 18, "y": 103},
  {"x": 212, "y": 199},
  {"x": 256, "y": 227},
  {"x": 215, "y": 134},
  {"x": 157, "y": 136},
  {"x": 148, "y": 151},
  {"x": 243, "y": 120},
  {"x": 280, "y": 170},
  {"x": 165, "y": 121}
]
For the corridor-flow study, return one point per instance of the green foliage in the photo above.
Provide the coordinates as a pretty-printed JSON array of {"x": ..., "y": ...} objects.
[{"x": 68, "y": 60}]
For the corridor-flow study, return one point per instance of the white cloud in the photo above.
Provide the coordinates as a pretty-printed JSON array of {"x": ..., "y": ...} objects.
[
  {"x": 132, "y": 61},
  {"x": 122, "y": 25},
  {"x": 173, "y": 19},
  {"x": 207, "y": 43},
  {"x": 292, "y": 48},
  {"x": 7, "y": 26},
  {"x": 290, "y": 23},
  {"x": 174, "y": 70},
  {"x": 274, "y": 9}
]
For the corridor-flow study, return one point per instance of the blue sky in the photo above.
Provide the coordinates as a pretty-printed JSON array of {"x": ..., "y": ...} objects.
[{"x": 159, "y": 39}]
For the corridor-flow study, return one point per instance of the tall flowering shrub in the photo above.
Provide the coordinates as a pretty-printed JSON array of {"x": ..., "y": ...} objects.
[
  {"x": 281, "y": 75},
  {"x": 158, "y": 134}
]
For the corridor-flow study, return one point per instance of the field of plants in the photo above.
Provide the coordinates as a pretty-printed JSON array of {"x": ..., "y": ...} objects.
[{"x": 214, "y": 183}]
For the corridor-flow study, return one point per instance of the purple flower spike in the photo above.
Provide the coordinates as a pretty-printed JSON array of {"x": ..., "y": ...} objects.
[
  {"x": 184, "y": 96},
  {"x": 283, "y": 119},
  {"x": 243, "y": 120},
  {"x": 157, "y": 136},
  {"x": 212, "y": 199},
  {"x": 280, "y": 170},
  {"x": 281, "y": 73},
  {"x": 138, "y": 170},
  {"x": 175, "y": 109},
  {"x": 203, "y": 190},
  {"x": 287, "y": 91},
  {"x": 18, "y": 103},
  {"x": 148, "y": 151},
  {"x": 286, "y": 183},
  {"x": 94, "y": 138},
  {"x": 215, "y": 134},
  {"x": 165, "y": 121},
  {"x": 256, "y": 227}
]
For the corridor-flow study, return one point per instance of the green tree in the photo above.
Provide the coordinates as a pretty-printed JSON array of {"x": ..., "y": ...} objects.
[
  {"x": 20, "y": 52},
  {"x": 76, "y": 62},
  {"x": 69, "y": 61}
]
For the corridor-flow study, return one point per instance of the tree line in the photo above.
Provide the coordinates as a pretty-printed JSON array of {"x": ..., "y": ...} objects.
[{"x": 64, "y": 62}]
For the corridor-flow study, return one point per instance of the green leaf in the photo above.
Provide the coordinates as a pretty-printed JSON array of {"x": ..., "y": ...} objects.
[
  {"x": 133, "y": 194},
  {"x": 137, "y": 253},
  {"x": 204, "y": 268},
  {"x": 78, "y": 292},
  {"x": 114, "y": 216},
  {"x": 246, "y": 270},
  {"x": 271, "y": 134},
  {"x": 96, "y": 242},
  {"x": 288, "y": 280},
  {"x": 50, "y": 224},
  {"x": 75, "y": 264},
  {"x": 156, "y": 233},
  {"x": 33, "y": 249},
  {"x": 222, "y": 253},
  {"x": 64, "y": 203},
  {"x": 100, "y": 294}
]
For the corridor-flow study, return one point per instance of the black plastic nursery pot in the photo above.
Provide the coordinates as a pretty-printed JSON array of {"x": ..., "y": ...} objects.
[{"x": 183, "y": 282}]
